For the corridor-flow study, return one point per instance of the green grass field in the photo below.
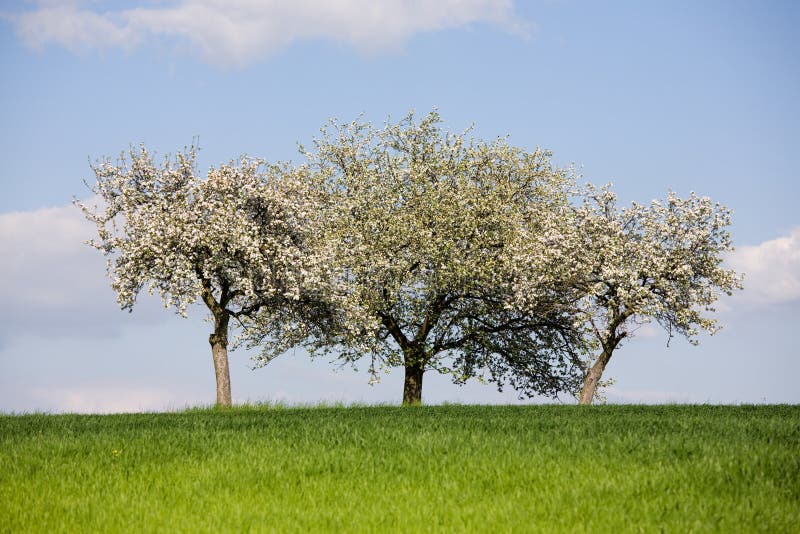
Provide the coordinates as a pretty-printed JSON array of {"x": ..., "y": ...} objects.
[{"x": 416, "y": 469}]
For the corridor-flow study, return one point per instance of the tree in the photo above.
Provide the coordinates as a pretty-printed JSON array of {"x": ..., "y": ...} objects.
[
  {"x": 660, "y": 262},
  {"x": 420, "y": 227},
  {"x": 236, "y": 240}
]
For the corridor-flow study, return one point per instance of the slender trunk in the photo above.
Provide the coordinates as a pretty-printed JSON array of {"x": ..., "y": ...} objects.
[
  {"x": 593, "y": 377},
  {"x": 412, "y": 389},
  {"x": 219, "y": 351}
]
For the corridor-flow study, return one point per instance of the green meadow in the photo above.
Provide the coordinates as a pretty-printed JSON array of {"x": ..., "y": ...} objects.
[{"x": 448, "y": 468}]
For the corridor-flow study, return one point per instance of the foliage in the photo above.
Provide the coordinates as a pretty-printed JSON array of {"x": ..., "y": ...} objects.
[
  {"x": 236, "y": 235},
  {"x": 237, "y": 240},
  {"x": 424, "y": 229},
  {"x": 414, "y": 247},
  {"x": 660, "y": 262},
  {"x": 392, "y": 469}
]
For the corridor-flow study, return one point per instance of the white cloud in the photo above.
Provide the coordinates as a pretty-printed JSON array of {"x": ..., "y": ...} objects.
[
  {"x": 53, "y": 283},
  {"x": 240, "y": 31},
  {"x": 772, "y": 270},
  {"x": 72, "y": 27}
]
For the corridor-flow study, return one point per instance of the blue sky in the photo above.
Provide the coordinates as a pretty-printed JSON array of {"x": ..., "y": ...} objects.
[{"x": 652, "y": 96}]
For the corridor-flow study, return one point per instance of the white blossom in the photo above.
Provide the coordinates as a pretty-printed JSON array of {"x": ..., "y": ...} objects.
[
  {"x": 421, "y": 228},
  {"x": 235, "y": 239},
  {"x": 631, "y": 265}
]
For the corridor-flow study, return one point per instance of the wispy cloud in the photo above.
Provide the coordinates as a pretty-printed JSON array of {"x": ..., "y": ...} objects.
[
  {"x": 772, "y": 270},
  {"x": 240, "y": 31},
  {"x": 75, "y": 28}
]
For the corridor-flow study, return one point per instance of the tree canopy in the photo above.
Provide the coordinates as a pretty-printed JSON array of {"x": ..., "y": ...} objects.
[
  {"x": 235, "y": 240},
  {"x": 422, "y": 228},
  {"x": 411, "y": 246},
  {"x": 637, "y": 264}
]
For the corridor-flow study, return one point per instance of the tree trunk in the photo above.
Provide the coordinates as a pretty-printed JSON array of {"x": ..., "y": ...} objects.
[
  {"x": 593, "y": 377},
  {"x": 412, "y": 389},
  {"x": 219, "y": 351}
]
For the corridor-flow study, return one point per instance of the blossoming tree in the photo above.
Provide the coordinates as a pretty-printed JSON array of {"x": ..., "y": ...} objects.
[
  {"x": 420, "y": 226},
  {"x": 660, "y": 262},
  {"x": 236, "y": 240}
]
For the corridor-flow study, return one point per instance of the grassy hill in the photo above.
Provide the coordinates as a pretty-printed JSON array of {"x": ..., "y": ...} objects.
[{"x": 417, "y": 469}]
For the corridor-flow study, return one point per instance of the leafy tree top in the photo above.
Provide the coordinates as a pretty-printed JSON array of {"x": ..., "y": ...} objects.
[{"x": 422, "y": 228}]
